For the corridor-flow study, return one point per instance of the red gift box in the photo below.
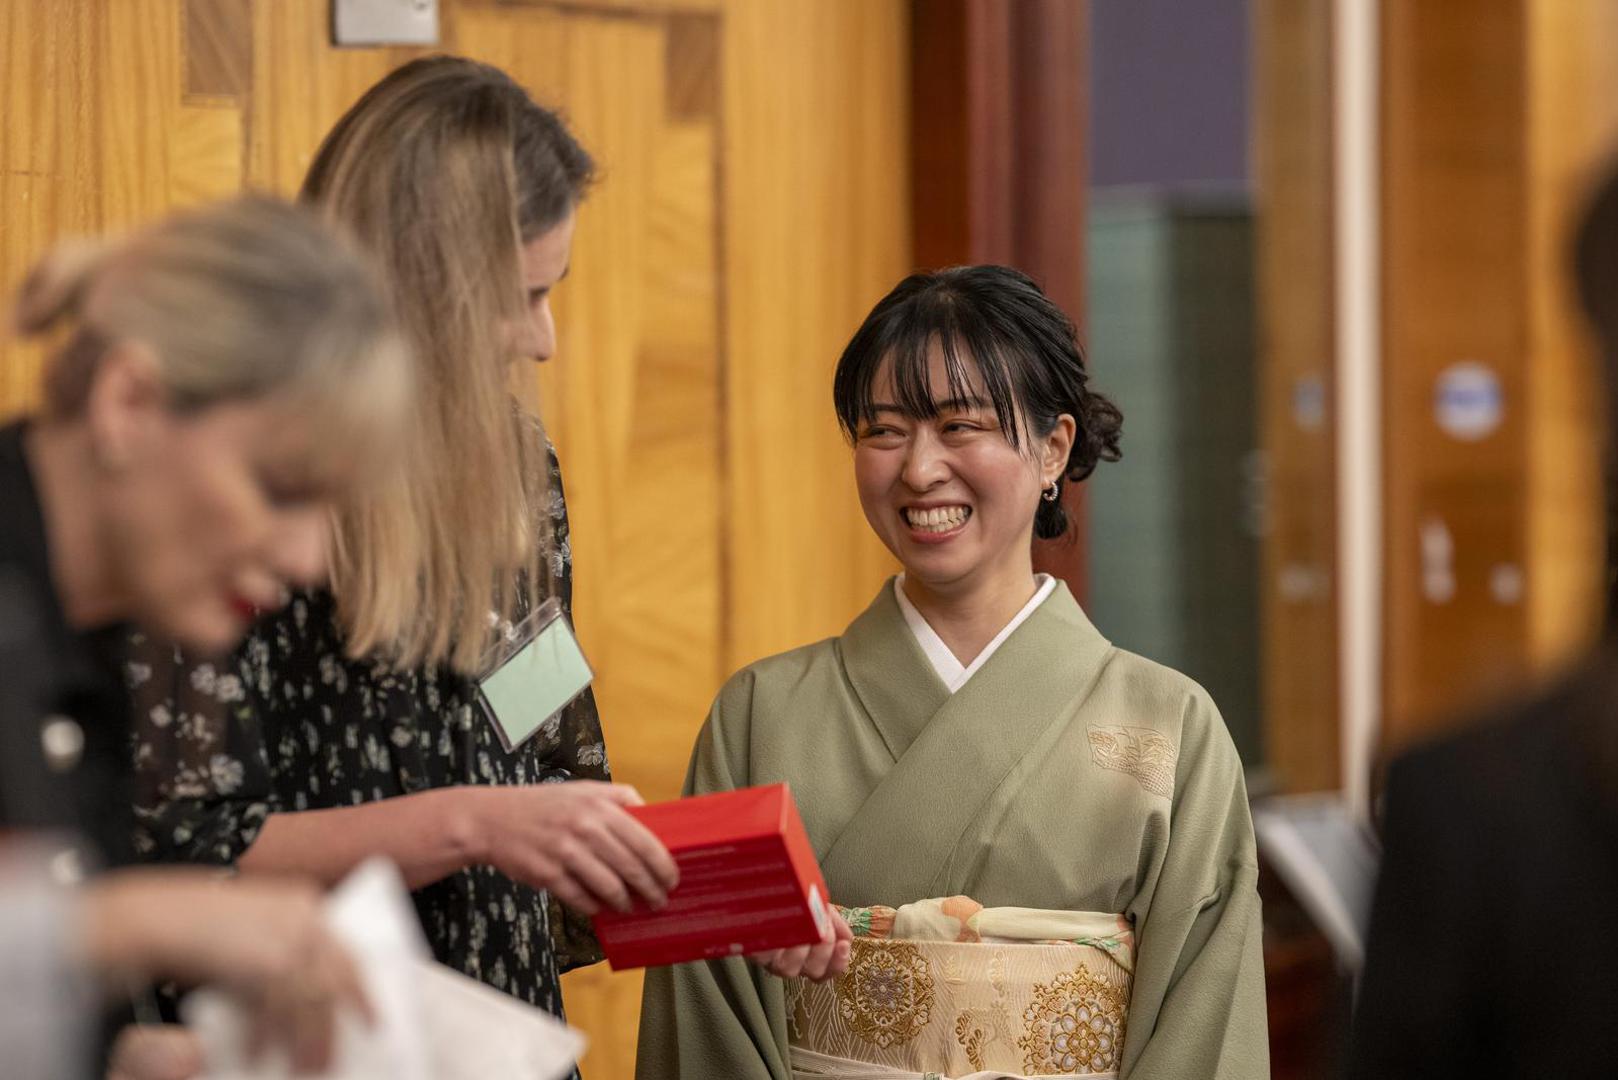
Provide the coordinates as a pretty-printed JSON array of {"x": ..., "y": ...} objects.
[{"x": 748, "y": 882}]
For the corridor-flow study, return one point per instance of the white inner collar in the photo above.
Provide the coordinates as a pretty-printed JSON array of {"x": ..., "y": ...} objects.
[{"x": 950, "y": 670}]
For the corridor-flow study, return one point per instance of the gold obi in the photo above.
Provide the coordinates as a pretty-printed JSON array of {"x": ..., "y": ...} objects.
[{"x": 949, "y": 988}]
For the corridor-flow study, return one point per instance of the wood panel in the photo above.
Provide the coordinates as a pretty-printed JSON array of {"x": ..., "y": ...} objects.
[
  {"x": 49, "y": 156},
  {"x": 1476, "y": 220},
  {"x": 1572, "y": 131},
  {"x": 816, "y": 231},
  {"x": 752, "y": 209},
  {"x": 301, "y": 85},
  {"x": 1294, "y": 259},
  {"x": 1454, "y": 265},
  {"x": 97, "y": 136},
  {"x": 1476, "y": 234},
  {"x": 218, "y": 49}
]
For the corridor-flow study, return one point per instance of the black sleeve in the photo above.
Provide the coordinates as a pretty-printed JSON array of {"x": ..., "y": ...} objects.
[{"x": 1420, "y": 999}]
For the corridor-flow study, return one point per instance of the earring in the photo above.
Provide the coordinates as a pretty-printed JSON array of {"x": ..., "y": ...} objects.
[{"x": 1052, "y": 493}]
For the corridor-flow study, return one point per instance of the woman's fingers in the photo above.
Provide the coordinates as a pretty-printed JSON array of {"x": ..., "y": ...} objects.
[
  {"x": 346, "y": 986},
  {"x": 827, "y": 959},
  {"x": 653, "y": 855},
  {"x": 631, "y": 866},
  {"x": 588, "y": 867},
  {"x": 314, "y": 1029},
  {"x": 155, "y": 1052},
  {"x": 622, "y": 794},
  {"x": 789, "y": 965},
  {"x": 560, "y": 881},
  {"x": 817, "y": 960}
]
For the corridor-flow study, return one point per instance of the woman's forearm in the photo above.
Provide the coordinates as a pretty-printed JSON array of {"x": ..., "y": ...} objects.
[{"x": 429, "y": 835}]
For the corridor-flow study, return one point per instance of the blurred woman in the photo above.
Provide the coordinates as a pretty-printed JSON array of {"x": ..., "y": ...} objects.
[
  {"x": 220, "y": 380},
  {"x": 1490, "y": 833}
]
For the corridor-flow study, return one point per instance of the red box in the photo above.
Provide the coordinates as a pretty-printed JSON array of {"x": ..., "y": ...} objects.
[{"x": 748, "y": 882}]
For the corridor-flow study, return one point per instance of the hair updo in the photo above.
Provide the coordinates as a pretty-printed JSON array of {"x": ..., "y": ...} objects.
[{"x": 1027, "y": 356}]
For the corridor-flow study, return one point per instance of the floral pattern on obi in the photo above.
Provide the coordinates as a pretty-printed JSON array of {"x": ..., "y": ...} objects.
[
  {"x": 886, "y": 996},
  {"x": 1074, "y": 1024},
  {"x": 946, "y": 987}
]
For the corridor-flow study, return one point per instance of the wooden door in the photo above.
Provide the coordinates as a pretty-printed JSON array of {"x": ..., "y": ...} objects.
[{"x": 752, "y": 208}]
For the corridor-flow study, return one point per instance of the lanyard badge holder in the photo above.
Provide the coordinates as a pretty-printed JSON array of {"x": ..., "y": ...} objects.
[{"x": 531, "y": 673}]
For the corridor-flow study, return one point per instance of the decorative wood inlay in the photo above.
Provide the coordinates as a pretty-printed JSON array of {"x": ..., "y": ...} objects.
[
  {"x": 218, "y": 48},
  {"x": 692, "y": 65}
]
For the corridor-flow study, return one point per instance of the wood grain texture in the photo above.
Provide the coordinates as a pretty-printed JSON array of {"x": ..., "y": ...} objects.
[
  {"x": 1476, "y": 233},
  {"x": 218, "y": 49},
  {"x": 1572, "y": 132},
  {"x": 49, "y": 156},
  {"x": 751, "y": 210},
  {"x": 1454, "y": 242},
  {"x": 1294, "y": 259},
  {"x": 816, "y": 231}
]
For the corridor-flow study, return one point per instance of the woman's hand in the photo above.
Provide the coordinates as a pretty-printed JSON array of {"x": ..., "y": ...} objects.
[
  {"x": 266, "y": 940},
  {"x": 574, "y": 839},
  {"x": 824, "y": 960},
  {"x": 155, "y": 1052}
]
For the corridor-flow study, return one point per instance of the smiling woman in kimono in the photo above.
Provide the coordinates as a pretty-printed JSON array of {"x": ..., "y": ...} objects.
[{"x": 1045, "y": 840}]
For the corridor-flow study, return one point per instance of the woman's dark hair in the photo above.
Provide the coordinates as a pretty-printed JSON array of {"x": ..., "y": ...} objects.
[
  {"x": 1595, "y": 270},
  {"x": 1595, "y": 260},
  {"x": 1027, "y": 355}
]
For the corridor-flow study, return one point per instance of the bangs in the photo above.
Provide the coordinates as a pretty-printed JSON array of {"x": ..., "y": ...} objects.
[
  {"x": 980, "y": 357},
  {"x": 999, "y": 338}
]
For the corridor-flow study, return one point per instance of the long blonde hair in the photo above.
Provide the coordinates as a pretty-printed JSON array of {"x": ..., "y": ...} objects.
[
  {"x": 443, "y": 170},
  {"x": 242, "y": 299}
]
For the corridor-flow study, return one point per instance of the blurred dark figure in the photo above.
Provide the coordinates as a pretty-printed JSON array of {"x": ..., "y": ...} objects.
[{"x": 1494, "y": 938}]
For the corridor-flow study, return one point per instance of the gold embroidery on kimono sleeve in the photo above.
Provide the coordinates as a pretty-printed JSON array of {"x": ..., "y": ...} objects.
[{"x": 1143, "y": 753}]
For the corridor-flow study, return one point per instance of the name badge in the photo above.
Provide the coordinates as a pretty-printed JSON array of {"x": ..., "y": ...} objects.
[{"x": 531, "y": 674}]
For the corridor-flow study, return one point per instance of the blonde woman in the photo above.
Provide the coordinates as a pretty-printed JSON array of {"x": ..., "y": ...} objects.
[
  {"x": 346, "y": 725},
  {"x": 220, "y": 381}
]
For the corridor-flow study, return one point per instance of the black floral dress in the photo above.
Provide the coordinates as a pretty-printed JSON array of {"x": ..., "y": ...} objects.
[{"x": 289, "y": 723}]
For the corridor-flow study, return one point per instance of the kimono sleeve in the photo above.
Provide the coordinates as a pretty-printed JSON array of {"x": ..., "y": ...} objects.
[
  {"x": 1198, "y": 1007},
  {"x": 202, "y": 775},
  {"x": 717, "y": 1017}
]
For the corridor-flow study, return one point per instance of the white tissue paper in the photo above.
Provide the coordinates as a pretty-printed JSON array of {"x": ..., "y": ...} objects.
[{"x": 431, "y": 1023}]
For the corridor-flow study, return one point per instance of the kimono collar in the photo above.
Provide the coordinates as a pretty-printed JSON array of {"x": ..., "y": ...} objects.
[
  {"x": 896, "y": 683},
  {"x": 951, "y": 752},
  {"x": 899, "y": 686}
]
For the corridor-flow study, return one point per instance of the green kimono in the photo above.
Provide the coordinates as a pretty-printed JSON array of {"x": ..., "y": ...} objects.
[{"x": 1065, "y": 774}]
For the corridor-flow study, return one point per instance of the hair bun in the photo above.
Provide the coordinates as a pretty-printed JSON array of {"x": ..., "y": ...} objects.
[{"x": 56, "y": 286}]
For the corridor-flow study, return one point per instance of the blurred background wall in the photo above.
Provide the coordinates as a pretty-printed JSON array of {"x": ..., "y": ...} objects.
[{"x": 1281, "y": 273}]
